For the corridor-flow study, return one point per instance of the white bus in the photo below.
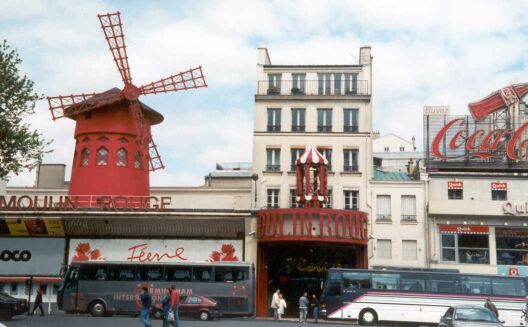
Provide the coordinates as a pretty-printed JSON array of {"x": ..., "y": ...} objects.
[{"x": 369, "y": 296}]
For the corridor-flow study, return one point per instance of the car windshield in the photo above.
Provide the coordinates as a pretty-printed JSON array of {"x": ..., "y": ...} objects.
[
  {"x": 4, "y": 297},
  {"x": 474, "y": 314}
]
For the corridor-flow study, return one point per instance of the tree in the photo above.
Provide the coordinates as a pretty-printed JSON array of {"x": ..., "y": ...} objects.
[{"x": 20, "y": 147}]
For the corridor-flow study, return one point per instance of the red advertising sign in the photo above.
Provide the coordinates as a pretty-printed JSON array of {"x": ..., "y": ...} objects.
[
  {"x": 499, "y": 186},
  {"x": 464, "y": 229},
  {"x": 455, "y": 185}
]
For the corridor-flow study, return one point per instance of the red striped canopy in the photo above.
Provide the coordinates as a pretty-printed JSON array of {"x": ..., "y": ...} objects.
[{"x": 312, "y": 156}]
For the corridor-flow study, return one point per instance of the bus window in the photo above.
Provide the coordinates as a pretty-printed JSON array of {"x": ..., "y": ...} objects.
[
  {"x": 476, "y": 285},
  {"x": 121, "y": 273},
  {"x": 231, "y": 274},
  {"x": 178, "y": 273},
  {"x": 149, "y": 273},
  {"x": 335, "y": 275},
  {"x": 509, "y": 286},
  {"x": 93, "y": 272},
  {"x": 444, "y": 284},
  {"x": 381, "y": 281},
  {"x": 334, "y": 289},
  {"x": 356, "y": 280},
  {"x": 413, "y": 282},
  {"x": 202, "y": 274}
]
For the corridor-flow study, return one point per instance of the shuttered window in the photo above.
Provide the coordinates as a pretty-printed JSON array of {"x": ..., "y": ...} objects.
[
  {"x": 384, "y": 249},
  {"x": 409, "y": 248},
  {"x": 408, "y": 207},
  {"x": 383, "y": 205}
]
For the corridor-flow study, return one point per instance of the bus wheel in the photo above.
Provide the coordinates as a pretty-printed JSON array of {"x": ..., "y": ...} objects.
[
  {"x": 204, "y": 315},
  {"x": 97, "y": 309},
  {"x": 368, "y": 317}
]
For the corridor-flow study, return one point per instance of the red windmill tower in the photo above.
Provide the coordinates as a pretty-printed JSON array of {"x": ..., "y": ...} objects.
[{"x": 114, "y": 149}]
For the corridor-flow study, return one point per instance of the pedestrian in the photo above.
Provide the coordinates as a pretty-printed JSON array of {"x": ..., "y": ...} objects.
[
  {"x": 491, "y": 307},
  {"x": 275, "y": 300},
  {"x": 303, "y": 307},
  {"x": 175, "y": 305},
  {"x": 166, "y": 304},
  {"x": 315, "y": 307},
  {"x": 282, "y": 306},
  {"x": 38, "y": 301},
  {"x": 146, "y": 304}
]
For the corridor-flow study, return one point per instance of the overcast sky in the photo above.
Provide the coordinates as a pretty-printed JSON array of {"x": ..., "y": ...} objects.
[{"x": 425, "y": 53}]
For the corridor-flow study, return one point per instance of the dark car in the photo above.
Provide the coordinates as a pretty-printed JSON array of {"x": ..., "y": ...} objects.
[
  {"x": 9, "y": 306},
  {"x": 469, "y": 316},
  {"x": 196, "y": 306}
]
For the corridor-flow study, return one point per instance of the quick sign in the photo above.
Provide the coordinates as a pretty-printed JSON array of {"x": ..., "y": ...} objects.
[
  {"x": 27, "y": 256},
  {"x": 455, "y": 185},
  {"x": 151, "y": 251}
]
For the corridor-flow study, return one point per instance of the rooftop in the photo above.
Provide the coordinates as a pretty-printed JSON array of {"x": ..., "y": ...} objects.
[{"x": 380, "y": 175}]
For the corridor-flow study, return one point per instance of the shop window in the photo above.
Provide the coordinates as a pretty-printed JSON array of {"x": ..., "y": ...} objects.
[
  {"x": 178, "y": 274},
  {"x": 499, "y": 195},
  {"x": 386, "y": 281},
  {"x": 512, "y": 246},
  {"x": 122, "y": 158},
  {"x": 273, "y": 198},
  {"x": 453, "y": 194},
  {"x": 351, "y": 200},
  {"x": 409, "y": 250},
  {"x": 85, "y": 156},
  {"x": 137, "y": 160},
  {"x": 465, "y": 248},
  {"x": 102, "y": 157},
  {"x": 384, "y": 249}
]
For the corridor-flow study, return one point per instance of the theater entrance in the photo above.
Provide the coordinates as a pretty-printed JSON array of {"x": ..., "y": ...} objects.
[{"x": 297, "y": 267}]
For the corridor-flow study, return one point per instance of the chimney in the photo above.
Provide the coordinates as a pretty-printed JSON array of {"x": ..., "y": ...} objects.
[
  {"x": 375, "y": 135},
  {"x": 263, "y": 57},
  {"x": 364, "y": 56},
  {"x": 50, "y": 175}
]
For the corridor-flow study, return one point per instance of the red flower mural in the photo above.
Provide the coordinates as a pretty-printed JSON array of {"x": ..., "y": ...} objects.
[
  {"x": 84, "y": 252},
  {"x": 226, "y": 253}
]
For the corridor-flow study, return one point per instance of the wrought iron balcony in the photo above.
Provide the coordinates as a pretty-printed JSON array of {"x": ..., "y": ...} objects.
[
  {"x": 313, "y": 88},
  {"x": 408, "y": 217},
  {"x": 351, "y": 168},
  {"x": 272, "y": 167},
  {"x": 350, "y": 129}
]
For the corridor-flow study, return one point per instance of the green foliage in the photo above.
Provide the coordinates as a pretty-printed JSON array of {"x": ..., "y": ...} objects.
[{"x": 20, "y": 147}]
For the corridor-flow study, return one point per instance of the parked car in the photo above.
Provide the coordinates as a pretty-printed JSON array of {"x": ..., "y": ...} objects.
[
  {"x": 10, "y": 307},
  {"x": 196, "y": 306},
  {"x": 469, "y": 316}
]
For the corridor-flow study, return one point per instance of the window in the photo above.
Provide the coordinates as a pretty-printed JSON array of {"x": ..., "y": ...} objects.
[
  {"x": 350, "y": 120},
  {"x": 293, "y": 199},
  {"x": 386, "y": 149},
  {"x": 274, "y": 84},
  {"x": 273, "y": 198},
  {"x": 324, "y": 120},
  {"x": 231, "y": 274},
  {"x": 298, "y": 83},
  {"x": 102, "y": 157},
  {"x": 202, "y": 274},
  {"x": 499, "y": 195},
  {"x": 85, "y": 156},
  {"x": 337, "y": 83},
  {"x": 92, "y": 272},
  {"x": 178, "y": 273},
  {"x": 325, "y": 84},
  {"x": 465, "y": 248},
  {"x": 148, "y": 273},
  {"x": 328, "y": 205},
  {"x": 476, "y": 285},
  {"x": 402, "y": 149},
  {"x": 444, "y": 284},
  {"x": 351, "y": 84},
  {"x": 383, "y": 207},
  {"x": 413, "y": 282},
  {"x": 508, "y": 286},
  {"x": 350, "y": 160},
  {"x": 298, "y": 120},
  {"x": 121, "y": 273},
  {"x": 453, "y": 194},
  {"x": 327, "y": 153},
  {"x": 512, "y": 246},
  {"x": 356, "y": 280},
  {"x": 351, "y": 200},
  {"x": 137, "y": 160},
  {"x": 384, "y": 249},
  {"x": 272, "y": 159},
  {"x": 122, "y": 158},
  {"x": 13, "y": 289},
  {"x": 409, "y": 250},
  {"x": 381, "y": 281},
  {"x": 408, "y": 207},
  {"x": 193, "y": 300},
  {"x": 295, "y": 154},
  {"x": 274, "y": 120}
]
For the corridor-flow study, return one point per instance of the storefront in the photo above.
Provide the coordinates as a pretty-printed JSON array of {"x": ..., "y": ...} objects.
[{"x": 296, "y": 247}]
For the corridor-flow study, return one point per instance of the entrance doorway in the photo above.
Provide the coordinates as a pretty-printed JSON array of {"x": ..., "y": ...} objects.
[{"x": 296, "y": 267}]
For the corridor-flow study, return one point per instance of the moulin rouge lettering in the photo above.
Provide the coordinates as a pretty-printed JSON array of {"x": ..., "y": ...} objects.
[
  {"x": 480, "y": 144},
  {"x": 140, "y": 253}
]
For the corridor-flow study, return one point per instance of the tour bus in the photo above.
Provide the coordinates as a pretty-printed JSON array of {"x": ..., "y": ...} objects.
[
  {"x": 370, "y": 296},
  {"x": 103, "y": 288}
]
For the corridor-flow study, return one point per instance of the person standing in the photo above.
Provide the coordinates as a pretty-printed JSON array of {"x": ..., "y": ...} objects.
[
  {"x": 282, "y": 306},
  {"x": 303, "y": 307},
  {"x": 146, "y": 304},
  {"x": 38, "y": 301},
  {"x": 491, "y": 307},
  {"x": 175, "y": 305},
  {"x": 166, "y": 304},
  {"x": 315, "y": 307},
  {"x": 275, "y": 300}
]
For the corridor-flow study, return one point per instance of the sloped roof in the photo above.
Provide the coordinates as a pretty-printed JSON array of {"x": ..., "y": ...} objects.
[{"x": 380, "y": 175}]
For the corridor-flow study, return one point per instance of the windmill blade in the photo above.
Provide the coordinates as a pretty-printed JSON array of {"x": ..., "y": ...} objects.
[
  {"x": 113, "y": 31},
  {"x": 71, "y": 105},
  {"x": 155, "y": 162},
  {"x": 191, "y": 79},
  {"x": 144, "y": 139}
]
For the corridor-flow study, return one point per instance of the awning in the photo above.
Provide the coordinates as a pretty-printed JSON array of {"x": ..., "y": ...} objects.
[{"x": 464, "y": 229}]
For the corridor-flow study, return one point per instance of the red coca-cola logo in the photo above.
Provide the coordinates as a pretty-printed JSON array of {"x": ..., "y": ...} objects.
[{"x": 480, "y": 143}]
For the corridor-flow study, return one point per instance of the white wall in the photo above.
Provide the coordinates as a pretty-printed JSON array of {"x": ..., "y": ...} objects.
[{"x": 393, "y": 142}]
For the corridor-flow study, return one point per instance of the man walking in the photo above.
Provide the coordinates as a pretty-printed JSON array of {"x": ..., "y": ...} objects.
[
  {"x": 175, "y": 305},
  {"x": 303, "y": 307},
  {"x": 275, "y": 303},
  {"x": 38, "y": 302},
  {"x": 315, "y": 307},
  {"x": 146, "y": 304}
]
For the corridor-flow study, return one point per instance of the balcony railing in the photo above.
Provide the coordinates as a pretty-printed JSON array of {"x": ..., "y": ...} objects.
[
  {"x": 324, "y": 128},
  {"x": 272, "y": 167},
  {"x": 274, "y": 128},
  {"x": 383, "y": 217},
  {"x": 350, "y": 129},
  {"x": 297, "y": 128},
  {"x": 408, "y": 217},
  {"x": 311, "y": 88},
  {"x": 351, "y": 168}
]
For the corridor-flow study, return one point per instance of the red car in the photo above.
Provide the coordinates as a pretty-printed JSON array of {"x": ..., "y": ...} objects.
[{"x": 196, "y": 306}]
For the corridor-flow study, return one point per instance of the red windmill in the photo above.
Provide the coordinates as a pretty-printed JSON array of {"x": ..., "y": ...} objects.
[{"x": 113, "y": 124}]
